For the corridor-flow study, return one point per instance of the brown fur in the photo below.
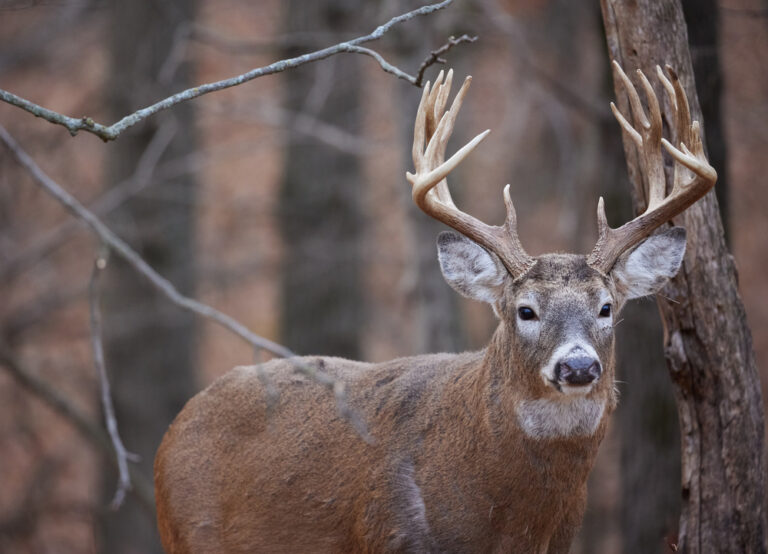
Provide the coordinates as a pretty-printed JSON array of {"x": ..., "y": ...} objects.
[{"x": 449, "y": 470}]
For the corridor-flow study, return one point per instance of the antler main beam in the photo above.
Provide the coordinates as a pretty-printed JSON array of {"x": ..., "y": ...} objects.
[
  {"x": 434, "y": 126},
  {"x": 693, "y": 176}
]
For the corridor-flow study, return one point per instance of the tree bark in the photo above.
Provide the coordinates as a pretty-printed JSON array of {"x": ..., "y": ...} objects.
[
  {"x": 320, "y": 220},
  {"x": 150, "y": 345},
  {"x": 708, "y": 345}
]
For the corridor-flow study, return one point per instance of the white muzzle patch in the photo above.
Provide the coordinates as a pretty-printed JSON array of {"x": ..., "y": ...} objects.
[{"x": 570, "y": 349}]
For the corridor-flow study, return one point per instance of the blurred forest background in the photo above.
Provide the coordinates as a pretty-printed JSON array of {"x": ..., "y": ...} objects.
[{"x": 283, "y": 202}]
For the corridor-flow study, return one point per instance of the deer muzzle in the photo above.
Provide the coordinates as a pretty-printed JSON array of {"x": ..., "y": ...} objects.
[{"x": 577, "y": 371}]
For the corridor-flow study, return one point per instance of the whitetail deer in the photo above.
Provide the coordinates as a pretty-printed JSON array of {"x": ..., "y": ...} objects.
[{"x": 483, "y": 451}]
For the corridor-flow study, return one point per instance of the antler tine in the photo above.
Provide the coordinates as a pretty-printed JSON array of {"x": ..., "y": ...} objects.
[
  {"x": 671, "y": 94},
  {"x": 420, "y": 130},
  {"x": 442, "y": 93},
  {"x": 430, "y": 189},
  {"x": 612, "y": 243},
  {"x": 654, "y": 163},
  {"x": 435, "y": 151},
  {"x": 634, "y": 99},
  {"x": 432, "y": 119}
]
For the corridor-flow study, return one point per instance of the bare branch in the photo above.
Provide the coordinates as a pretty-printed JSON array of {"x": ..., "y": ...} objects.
[
  {"x": 122, "y": 249},
  {"x": 385, "y": 65},
  {"x": 434, "y": 56},
  {"x": 121, "y": 454},
  {"x": 111, "y": 132}
]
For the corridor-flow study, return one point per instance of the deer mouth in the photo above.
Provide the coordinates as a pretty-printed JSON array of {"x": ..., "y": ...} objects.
[{"x": 572, "y": 389}]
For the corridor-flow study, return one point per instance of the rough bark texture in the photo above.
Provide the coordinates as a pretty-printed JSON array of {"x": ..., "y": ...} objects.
[
  {"x": 320, "y": 219},
  {"x": 150, "y": 345},
  {"x": 707, "y": 342}
]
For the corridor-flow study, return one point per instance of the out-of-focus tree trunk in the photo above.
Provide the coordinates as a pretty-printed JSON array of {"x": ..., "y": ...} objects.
[
  {"x": 649, "y": 434},
  {"x": 702, "y": 20},
  {"x": 435, "y": 305},
  {"x": 707, "y": 342},
  {"x": 150, "y": 345},
  {"x": 320, "y": 221}
]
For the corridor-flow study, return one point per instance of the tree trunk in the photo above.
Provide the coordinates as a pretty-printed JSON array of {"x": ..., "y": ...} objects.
[
  {"x": 708, "y": 345},
  {"x": 320, "y": 220},
  {"x": 150, "y": 345}
]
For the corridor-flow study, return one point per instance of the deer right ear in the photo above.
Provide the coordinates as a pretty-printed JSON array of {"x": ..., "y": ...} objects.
[
  {"x": 469, "y": 268},
  {"x": 648, "y": 267}
]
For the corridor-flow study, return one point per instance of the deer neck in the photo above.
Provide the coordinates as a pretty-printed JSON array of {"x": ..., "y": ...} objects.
[{"x": 531, "y": 434}]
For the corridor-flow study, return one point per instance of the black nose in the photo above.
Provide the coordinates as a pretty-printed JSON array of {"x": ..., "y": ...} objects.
[{"x": 579, "y": 370}]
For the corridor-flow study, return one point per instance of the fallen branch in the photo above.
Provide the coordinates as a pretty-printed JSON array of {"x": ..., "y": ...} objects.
[{"x": 111, "y": 132}]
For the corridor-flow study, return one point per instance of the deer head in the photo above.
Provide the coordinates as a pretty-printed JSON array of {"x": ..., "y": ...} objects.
[{"x": 557, "y": 311}]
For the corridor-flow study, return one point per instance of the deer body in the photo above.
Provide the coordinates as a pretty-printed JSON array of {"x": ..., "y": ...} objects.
[
  {"x": 459, "y": 461},
  {"x": 485, "y": 451},
  {"x": 451, "y": 469}
]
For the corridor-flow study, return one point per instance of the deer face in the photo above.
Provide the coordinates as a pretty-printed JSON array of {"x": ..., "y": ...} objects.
[{"x": 558, "y": 318}]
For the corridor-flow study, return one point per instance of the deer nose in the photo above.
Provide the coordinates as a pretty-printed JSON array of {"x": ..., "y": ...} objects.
[{"x": 578, "y": 371}]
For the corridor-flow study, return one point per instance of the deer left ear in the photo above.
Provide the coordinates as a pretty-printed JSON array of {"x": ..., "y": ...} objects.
[
  {"x": 648, "y": 267},
  {"x": 469, "y": 268}
]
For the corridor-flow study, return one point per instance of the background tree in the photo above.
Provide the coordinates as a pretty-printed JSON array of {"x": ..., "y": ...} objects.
[
  {"x": 151, "y": 346},
  {"x": 432, "y": 304},
  {"x": 323, "y": 305}
]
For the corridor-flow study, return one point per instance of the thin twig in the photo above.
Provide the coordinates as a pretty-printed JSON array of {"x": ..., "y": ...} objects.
[
  {"x": 385, "y": 65},
  {"x": 111, "y": 132},
  {"x": 121, "y": 454},
  {"x": 121, "y": 248},
  {"x": 434, "y": 56},
  {"x": 142, "y": 488}
]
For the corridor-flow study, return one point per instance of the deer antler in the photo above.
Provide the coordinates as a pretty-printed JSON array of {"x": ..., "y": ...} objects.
[
  {"x": 430, "y": 188},
  {"x": 686, "y": 189}
]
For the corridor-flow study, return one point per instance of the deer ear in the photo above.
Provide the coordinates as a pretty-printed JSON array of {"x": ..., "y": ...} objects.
[
  {"x": 648, "y": 267},
  {"x": 469, "y": 268}
]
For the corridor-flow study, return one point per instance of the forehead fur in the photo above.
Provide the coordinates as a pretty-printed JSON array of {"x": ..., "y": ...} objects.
[{"x": 562, "y": 270}]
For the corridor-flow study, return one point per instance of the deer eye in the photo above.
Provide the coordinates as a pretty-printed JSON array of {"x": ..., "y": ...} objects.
[
  {"x": 605, "y": 311},
  {"x": 526, "y": 313}
]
